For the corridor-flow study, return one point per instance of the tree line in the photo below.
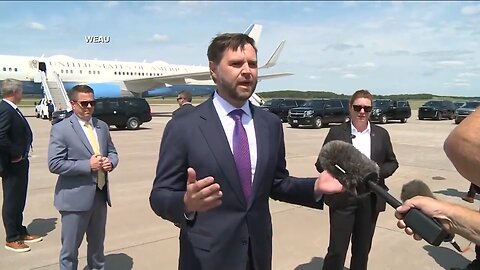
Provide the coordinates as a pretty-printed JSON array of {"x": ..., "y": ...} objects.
[{"x": 326, "y": 94}]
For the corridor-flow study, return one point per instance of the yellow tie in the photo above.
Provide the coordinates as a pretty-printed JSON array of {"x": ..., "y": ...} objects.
[{"x": 94, "y": 143}]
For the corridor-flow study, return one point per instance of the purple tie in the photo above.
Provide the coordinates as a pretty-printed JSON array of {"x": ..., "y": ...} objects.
[{"x": 241, "y": 153}]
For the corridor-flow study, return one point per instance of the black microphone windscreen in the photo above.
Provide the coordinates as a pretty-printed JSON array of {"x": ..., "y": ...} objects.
[
  {"x": 415, "y": 188},
  {"x": 346, "y": 163}
]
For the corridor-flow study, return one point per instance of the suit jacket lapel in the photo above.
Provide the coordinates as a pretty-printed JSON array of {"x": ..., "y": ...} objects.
[
  {"x": 374, "y": 143},
  {"x": 214, "y": 135},
  {"x": 100, "y": 137},
  {"x": 347, "y": 134},
  {"x": 81, "y": 134},
  {"x": 261, "y": 135}
]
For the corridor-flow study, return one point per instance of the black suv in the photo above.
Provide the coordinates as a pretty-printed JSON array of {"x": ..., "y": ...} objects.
[
  {"x": 437, "y": 109},
  {"x": 319, "y": 113},
  {"x": 464, "y": 111},
  {"x": 385, "y": 110},
  {"x": 281, "y": 106},
  {"x": 122, "y": 112}
]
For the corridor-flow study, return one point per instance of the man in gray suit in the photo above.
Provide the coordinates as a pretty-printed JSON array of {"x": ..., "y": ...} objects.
[{"x": 82, "y": 153}]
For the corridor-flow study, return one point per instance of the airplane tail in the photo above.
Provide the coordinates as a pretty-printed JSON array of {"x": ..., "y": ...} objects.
[
  {"x": 273, "y": 59},
  {"x": 254, "y": 31}
]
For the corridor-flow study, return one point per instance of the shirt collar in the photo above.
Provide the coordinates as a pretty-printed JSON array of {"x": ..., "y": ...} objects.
[
  {"x": 224, "y": 108},
  {"x": 355, "y": 131},
  {"x": 82, "y": 123},
  {"x": 14, "y": 106}
]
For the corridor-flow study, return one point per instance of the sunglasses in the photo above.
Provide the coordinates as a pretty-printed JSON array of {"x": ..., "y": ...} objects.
[
  {"x": 358, "y": 108},
  {"x": 178, "y": 98},
  {"x": 85, "y": 103}
]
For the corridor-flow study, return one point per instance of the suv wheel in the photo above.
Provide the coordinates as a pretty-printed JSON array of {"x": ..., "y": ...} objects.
[
  {"x": 133, "y": 123},
  {"x": 383, "y": 119},
  {"x": 439, "y": 116},
  {"x": 317, "y": 122},
  {"x": 403, "y": 120}
]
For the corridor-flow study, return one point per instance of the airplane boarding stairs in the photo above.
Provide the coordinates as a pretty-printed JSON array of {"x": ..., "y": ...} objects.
[{"x": 55, "y": 91}]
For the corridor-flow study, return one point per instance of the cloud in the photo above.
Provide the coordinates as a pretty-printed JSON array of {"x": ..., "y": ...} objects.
[
  {"x": 160, "y": 38},
  {"x": 312, "y": 77},
  {"x": 366, "y": 65},
  {"x": 393, "y": 53},
  {"x": 349, "y": 76},
  {"x": 470, "y": 10},
  {"x": 341, "y": 47},
  {"x": 450, "y": 63},
  {"x": 467, "y": 75},
  {"x": 110, "y": 4},
  {"x": 37, "y": 26},
  {"x": 456, "y": 84}
]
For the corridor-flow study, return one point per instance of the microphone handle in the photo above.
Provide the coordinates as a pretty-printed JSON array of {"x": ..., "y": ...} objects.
[{"x": 428, "y": 228}]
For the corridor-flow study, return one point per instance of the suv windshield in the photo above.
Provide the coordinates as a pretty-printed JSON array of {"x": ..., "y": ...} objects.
[
  {"x": 471, "y": 104},
  {"x": 433, "y": 103},
  {"x": 381, "y": 103},
  {"x": 272, "y": 102},
  {"x": 314, "y": 103}
]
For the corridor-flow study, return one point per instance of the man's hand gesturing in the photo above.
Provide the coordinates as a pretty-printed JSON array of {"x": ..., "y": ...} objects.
[{"x": 201, "y": 195}]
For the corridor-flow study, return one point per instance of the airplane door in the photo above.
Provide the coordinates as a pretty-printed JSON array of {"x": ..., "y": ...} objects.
[{"x": 42, "y": 67}]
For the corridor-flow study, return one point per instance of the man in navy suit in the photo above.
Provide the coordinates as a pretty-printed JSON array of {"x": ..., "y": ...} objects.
[
  {"x": 82, "y": 153},
  {"x": 356, "y": 217},
  {"x": 219, "y": 165},
  {"x": 15, "y": 142}
]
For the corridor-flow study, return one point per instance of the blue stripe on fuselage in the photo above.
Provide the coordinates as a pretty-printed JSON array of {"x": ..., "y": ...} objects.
[{"x": 113, "y": 89}]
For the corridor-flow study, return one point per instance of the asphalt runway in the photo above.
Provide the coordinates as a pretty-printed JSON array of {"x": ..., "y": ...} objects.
[{"x": 138, "y": 239}]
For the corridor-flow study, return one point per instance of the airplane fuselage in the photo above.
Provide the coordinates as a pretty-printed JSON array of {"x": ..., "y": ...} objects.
[{"x": 105, "y": 77}]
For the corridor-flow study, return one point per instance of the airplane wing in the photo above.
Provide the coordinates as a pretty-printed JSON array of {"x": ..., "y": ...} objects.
[
  {"x": 273, "y": 75},
  {"x": 144, "y": 84}
]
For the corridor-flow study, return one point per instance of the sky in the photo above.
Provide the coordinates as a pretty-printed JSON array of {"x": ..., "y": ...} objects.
[{"x": 386, "y": 47}]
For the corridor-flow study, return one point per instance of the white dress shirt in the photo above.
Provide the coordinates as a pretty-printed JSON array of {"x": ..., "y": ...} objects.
[{"x": 361, "y": 140}]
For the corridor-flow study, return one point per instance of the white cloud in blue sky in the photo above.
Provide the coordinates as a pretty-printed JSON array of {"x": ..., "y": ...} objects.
[{"x": 387, "y": 47}]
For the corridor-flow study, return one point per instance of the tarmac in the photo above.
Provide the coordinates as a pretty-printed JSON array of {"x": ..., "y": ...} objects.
[{"x": 138, "y": 239}]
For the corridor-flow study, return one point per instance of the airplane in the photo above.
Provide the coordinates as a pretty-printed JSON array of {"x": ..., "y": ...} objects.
[{"x": 118, "y": 78}]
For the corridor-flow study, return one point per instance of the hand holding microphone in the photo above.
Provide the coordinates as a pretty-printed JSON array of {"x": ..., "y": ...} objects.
[
  {"x": 359, "y": 175},
  {"x": 428, "y": 204}
]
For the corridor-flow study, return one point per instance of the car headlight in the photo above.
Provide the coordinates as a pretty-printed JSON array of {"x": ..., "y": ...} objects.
[
  {"x": 377, "y": 111},
  {"x": 308, "y": 113}
]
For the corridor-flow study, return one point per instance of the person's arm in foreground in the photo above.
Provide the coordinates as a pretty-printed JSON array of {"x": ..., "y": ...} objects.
[
  {"x": 462, "y": 147},
  {"x": 455, "y": 218}
]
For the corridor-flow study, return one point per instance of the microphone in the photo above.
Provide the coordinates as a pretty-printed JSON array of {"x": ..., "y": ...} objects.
[
  {"x": 419, "y": 188},
  {"x": 359, "y": 175}
]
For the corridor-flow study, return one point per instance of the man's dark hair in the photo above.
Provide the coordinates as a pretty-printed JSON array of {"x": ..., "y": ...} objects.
[
  {"x": 186, "y": 95},
  {"x": 226, "y": 41},
  {"x": 80, "y": 88}
]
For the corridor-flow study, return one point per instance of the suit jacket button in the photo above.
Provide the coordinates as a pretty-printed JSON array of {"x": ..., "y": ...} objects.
[{"x": 244, "y": 242}]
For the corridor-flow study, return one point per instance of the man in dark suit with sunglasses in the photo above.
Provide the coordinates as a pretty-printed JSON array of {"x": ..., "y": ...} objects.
[
  {"x": 82, "y": 153},
  {"x": 355, "y": 217},
  {"x": 184, "y": 100}
]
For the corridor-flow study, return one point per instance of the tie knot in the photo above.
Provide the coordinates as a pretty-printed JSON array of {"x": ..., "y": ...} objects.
[{"x": 236, "y": 114}]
